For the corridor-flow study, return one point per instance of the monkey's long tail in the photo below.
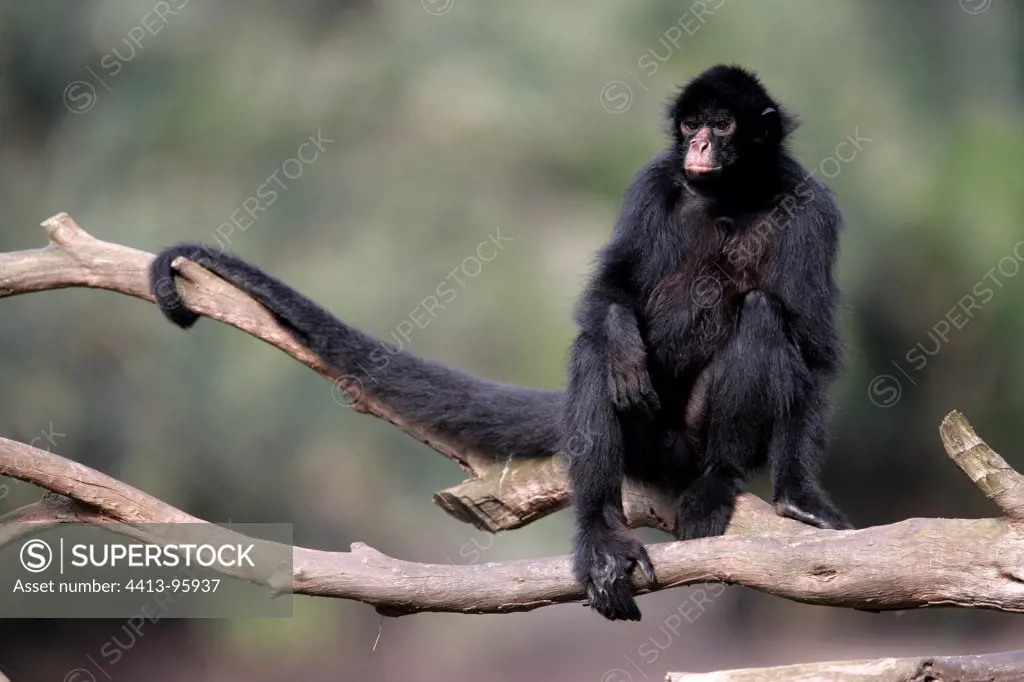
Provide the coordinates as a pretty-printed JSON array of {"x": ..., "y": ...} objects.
[{"x": 488, "y": 417}]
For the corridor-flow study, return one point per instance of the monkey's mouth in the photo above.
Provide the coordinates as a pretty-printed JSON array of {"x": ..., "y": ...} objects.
[{"x": 698, "y": 170}]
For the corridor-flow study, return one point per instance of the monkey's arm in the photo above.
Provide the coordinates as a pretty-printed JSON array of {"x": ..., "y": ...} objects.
[
  {"x": 612, "y": 305},
  {"x": 803, "y": 282},
  {"x": 491, "y": 418},
  {"x": 628, "y": 380},
  {"x": 607, "y": 375},
  {"x": 605, "y": 550}
]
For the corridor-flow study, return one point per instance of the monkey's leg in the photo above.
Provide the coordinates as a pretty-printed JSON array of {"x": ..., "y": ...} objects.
[
  {"x": 605, "y": 550},
  {"x": 796, "y": 453},
  {"x": 744, "y": 390}
]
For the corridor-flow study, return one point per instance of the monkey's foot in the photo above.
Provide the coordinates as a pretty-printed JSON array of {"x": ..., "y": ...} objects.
[
  {"x": 706, "y": 507},
  {"x": 603, "y": 561},
  {"x": 814, "y": 509}
]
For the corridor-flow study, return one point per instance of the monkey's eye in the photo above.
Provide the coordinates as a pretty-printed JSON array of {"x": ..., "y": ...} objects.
[
  {"x": 689, "y": 126},
  {"x": 723, "y": 125}
]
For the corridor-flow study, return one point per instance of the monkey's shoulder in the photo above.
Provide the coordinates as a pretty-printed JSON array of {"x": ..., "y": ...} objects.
[
  {"x": 656, "y": 186},
  {"x": 803, "y": 190}
]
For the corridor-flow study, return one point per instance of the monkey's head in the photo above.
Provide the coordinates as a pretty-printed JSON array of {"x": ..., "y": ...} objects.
[{"x": 724, "y": 124}]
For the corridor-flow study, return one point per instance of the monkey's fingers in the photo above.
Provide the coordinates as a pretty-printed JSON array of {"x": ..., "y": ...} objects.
[
  {"x": 643, "y": 562},
  {"x": 614, "y": 601},
  {"x": 632, "y": 390},
  {"x": 650, "y": 395},
  {"x": 625, "y": 605}
]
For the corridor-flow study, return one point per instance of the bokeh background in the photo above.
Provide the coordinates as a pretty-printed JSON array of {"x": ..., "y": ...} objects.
[{"x": 449, "y": 120}]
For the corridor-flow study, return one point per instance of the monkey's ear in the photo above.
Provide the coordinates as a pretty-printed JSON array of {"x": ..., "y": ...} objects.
[
  {"x": 773, "y": 126},
  {"x": 768, "y": 126}
]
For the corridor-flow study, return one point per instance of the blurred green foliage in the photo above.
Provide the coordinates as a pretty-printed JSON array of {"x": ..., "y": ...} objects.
[{"x": 448, "y": 120}]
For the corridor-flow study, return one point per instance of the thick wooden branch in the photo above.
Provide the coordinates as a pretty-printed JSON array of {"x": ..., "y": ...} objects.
[{"x": 1002, "y": 667}]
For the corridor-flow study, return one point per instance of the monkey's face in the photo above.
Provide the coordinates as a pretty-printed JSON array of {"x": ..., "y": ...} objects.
[
  {"x": 724, "y": 125},
  {"x": 707, "y": 143}
]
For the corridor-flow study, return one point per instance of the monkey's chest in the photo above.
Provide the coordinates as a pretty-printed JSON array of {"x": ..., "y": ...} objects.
[
  {"x": 691, "y": 311},
  {"x": 717, "y": 273},
  {"x": 737, "y": 265}
]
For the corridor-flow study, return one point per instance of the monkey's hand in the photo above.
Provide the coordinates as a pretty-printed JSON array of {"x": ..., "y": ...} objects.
[
  {"x": 628, "y": 381},
  {"x": 603, "y": 562},
  {"x": 631, "y": 387}
]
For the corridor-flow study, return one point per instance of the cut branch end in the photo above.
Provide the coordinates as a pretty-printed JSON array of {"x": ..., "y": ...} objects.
[
  {"x": 1000, "y": 482},
  {"x": 62, "y": 229}
]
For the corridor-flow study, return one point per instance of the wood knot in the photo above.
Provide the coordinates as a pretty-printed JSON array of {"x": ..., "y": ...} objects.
[{"x": 823, "y": 573}]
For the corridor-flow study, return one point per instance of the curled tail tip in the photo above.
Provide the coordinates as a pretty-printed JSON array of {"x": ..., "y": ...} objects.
[
  {"x": 180, "y": 316},
  {"x": 165, "y": 290}
]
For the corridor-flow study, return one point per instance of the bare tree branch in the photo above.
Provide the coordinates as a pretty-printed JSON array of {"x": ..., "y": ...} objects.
[{"x": 1001, "y": 667}]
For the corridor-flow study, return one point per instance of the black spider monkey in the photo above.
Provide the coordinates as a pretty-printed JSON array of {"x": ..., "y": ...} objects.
[
  {"x": 707, "y": 335},
  {"x": 707, "y": 341}
]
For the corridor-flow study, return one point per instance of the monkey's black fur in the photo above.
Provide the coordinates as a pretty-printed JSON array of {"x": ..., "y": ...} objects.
[
  {"x": 707, "y": 341},
  {"x": 715, "y": 297}
]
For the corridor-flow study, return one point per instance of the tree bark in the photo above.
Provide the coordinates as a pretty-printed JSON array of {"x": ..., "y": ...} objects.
[{"x": 1002, "y": 667}]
